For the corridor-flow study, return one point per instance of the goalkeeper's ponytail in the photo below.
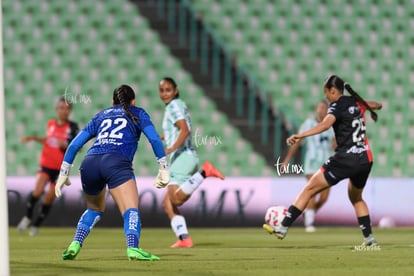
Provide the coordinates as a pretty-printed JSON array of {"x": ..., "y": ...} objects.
[{"x": 123, "y": 95}]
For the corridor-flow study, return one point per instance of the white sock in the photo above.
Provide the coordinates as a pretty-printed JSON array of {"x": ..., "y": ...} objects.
[
  {"x": 179, "y": 226},
  {"x": 309, "y": 215},
  {"x": 189, "y": 186}
]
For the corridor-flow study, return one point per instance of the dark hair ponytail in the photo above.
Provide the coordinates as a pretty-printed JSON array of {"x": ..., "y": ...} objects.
[
  {"x": 338, "y": 83},
  {"x": 123, "y": 95},
  {"x": 354, "y": 94}
]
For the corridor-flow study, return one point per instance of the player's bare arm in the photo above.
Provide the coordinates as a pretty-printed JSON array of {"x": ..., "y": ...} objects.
[
  {"x": 326, "y": 123},
  {"x": 25, "y": 139},
  {"x": 374, "y": 105},
  {"x": 183, "y": 134},
  {"x": 291, "y": 152}
]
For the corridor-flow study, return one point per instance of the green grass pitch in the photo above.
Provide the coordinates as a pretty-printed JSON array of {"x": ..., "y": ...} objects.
[{"x": 217, "y": 251}]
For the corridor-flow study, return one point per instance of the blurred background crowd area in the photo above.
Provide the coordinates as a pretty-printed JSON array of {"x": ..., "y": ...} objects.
[{"x": 250, "y": 71}]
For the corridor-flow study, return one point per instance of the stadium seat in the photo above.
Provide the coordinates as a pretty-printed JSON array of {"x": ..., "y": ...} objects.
[
  {"x": 89, "y": 47},
  {"x": 366, "y": 43}
]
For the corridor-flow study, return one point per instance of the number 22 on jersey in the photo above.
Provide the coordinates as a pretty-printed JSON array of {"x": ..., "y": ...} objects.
[{"x": 106, "y": 130}]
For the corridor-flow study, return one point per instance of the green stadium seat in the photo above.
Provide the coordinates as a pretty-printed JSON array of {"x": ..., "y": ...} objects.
[
  {"x": 94, "y": 66},
  {"x": 351, "y": 46}
]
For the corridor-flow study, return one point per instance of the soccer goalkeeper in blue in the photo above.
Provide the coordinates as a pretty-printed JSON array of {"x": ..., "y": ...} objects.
[{"x": 108, "y": 164}]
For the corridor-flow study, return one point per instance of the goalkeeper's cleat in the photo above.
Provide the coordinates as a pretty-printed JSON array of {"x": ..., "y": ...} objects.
[
  {"x": 72, "y": 251},
  {"x": 186, "y": 243},
  {"x": 140, "y": 255},
  {"x": 280, "y": 232},
  {"x": 23, "y": 224},
  {"x": 34, "y": 231},
  {"x": 369, "y": 241},
  {"x": 211, "y": 171}
]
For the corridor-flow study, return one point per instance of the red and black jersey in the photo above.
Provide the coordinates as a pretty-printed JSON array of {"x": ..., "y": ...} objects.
[
  {"x": 349, "y": 129},
  {"x": 52, "y": 155}
]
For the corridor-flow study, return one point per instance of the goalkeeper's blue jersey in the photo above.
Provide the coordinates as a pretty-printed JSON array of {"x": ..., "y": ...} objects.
[{"x": 115, "y": 132}]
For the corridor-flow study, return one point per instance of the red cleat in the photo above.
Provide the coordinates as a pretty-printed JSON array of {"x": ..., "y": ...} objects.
[
  {"x": 186, "y": 243},
  {"x": 212, "y": 171}
]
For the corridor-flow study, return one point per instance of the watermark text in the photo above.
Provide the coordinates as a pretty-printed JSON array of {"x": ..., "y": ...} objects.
[
  {"x": 361, "y": 248},
  {"x": 203, "y": 140},
  {"x": 289, "y": 168},
  {"x": 76, "y": 98}
]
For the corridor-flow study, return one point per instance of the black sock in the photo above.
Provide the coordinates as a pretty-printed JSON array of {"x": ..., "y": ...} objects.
[
  {"x": 291, "y": 216},
  {"x": 44, "y": 211},
  {"x": 31, "y": 202},
  {"x": 365, "y": 225},
  {"x": 203, "y": 173},
  {"x": 183, "y": 236}
]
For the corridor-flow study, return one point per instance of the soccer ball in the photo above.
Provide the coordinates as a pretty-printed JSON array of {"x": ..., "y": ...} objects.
[
  {"x": 386, "y": 222},
  {"x": 275, "y": 215}
]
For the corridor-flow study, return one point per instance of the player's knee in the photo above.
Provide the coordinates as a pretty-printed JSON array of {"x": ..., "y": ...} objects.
[
  {"x": 310, "y": 191},
  {"x": 355, "y": 199},
  {"x": 177, "y": 201}
]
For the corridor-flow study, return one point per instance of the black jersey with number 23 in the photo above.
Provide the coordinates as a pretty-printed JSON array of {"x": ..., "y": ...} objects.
[{"x": 349, "y": 127}]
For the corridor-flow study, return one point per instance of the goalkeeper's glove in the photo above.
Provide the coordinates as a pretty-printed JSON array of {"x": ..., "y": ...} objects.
[
  {"x": 163, "y": 176},
  {"x": 63, "y": 178}
]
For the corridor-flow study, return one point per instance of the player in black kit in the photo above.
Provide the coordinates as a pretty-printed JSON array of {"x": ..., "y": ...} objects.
[{"x": 352, "y": 158}]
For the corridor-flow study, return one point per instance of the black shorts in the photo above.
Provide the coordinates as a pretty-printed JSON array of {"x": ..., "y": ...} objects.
[
  {"x": 339, "y": 167},
  {"x": 51, "y": 173}
]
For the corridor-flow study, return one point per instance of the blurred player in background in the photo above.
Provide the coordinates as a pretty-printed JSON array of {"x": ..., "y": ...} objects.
[
  {"x": 317, "y": 148},
  {"x": 183, "y": 160},
  {"x": 108, "y": 163},
  {"x": 60, "y": 133},
  {"x": 352, "y": 159}
]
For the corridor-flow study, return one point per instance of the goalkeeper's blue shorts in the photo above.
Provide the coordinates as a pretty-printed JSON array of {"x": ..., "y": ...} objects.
[{"x": 112, "y": 169}]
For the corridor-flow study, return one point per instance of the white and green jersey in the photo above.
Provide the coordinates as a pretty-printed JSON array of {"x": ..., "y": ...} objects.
[
  {"x": 174, "y": 111},
  {"x": 318, "y": 148}
]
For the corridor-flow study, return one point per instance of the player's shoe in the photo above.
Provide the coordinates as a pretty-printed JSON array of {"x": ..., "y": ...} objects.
[
  {"x": 72, "y": 251},
  {"x": 211, "y": 171},
  {"x": 34, "y": 231},
  {"x": 370, "y": 241},
  {"x": 186, "y": 243},
  {"x": 280, "y": 232},
  {"x": 310, "y": 229},
  {"x": 139, "y": 254},
  {"x": 23, "y": 224}
]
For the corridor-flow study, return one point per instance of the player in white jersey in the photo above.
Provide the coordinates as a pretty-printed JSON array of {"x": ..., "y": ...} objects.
[
  {"x": 318, "y": 149},
  {"x": 183, "y": 160}
]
